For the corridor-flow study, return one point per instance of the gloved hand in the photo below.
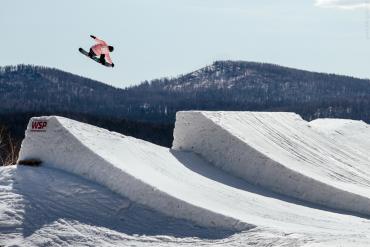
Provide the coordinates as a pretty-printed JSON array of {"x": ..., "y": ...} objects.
[
  {"x": 92, "y": 36},
  {"x": 112, "y": 65}
]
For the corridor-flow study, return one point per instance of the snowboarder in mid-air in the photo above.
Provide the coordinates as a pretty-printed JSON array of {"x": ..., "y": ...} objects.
[{"x": 99, "y": 52}]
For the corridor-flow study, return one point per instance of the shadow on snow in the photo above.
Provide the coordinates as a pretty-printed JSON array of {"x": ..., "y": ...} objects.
[{"x": 50, "y": 195}]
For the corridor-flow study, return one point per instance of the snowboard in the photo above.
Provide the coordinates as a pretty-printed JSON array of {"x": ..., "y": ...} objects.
[{"x": 96, "y": 59}]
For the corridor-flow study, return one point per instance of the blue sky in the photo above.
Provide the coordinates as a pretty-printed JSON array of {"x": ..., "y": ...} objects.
[{"x": 160, "y": 38}]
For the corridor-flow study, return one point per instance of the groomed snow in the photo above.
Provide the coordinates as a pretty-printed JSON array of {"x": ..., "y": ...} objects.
[
  {"x": 353, "y": 134},
  {"x": 281, "y": 152},
  {"x": 181, "y": 185},
  {"x": 48, "y": 207},
  {"x": 42, "y": 206},
  {"x": 143, "y": 172}
]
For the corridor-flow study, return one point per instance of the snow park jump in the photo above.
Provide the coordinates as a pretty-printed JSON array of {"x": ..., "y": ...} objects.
[
  {"x": 263, "y": 185},
  {"x": 280, "y": 152}
]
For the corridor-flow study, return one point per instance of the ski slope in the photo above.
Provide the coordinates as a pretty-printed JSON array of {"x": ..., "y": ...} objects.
[
  {"x": 181, "y": 185},
  {"x": 280, "y": 152}
]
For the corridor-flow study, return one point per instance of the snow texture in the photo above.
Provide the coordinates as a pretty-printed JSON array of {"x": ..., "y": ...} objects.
[
  {"x": 353, "y": 134},
  {"x": 281, "y": 152},
  {"x": 162, "y": 197},
  {"x": 143, "y": 172},
  {"x": 48, "y": 207}
]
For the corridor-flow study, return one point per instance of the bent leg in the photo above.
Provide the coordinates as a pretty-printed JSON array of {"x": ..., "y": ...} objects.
[
  {"x": 102, "y": 58},
  {"x": 91, "y": 53}
]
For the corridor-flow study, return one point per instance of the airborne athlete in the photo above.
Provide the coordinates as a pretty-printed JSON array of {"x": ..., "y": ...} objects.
[{"x": 100, "y": 52}]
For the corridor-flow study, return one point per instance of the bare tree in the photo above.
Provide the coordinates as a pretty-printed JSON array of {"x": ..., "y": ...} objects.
[{"x": 9, "y": 148}]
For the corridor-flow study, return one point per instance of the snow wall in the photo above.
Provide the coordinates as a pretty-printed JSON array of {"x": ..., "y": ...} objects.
[
  {"x": 280, "y": 152},
  {"x": 143, "y": 172}
]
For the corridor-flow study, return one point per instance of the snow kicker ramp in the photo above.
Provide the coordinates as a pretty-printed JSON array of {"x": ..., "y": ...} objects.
[
  {"x": 178, "y": 184},
  {"x": 280, "y": 152},
  {"x": 143, "y": 172}
]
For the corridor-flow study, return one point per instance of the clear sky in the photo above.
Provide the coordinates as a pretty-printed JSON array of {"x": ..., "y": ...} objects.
[{"x": 160, "y": 38}]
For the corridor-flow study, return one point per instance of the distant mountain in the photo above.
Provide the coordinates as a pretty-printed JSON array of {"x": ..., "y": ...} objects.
[
  {"x": 224, "y": 85},
  {"x": 230, "y": 85},
  {"x": 25, "y": 88}
]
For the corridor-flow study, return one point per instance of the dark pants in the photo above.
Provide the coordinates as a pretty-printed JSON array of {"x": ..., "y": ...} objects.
[
  {"x": 91, "y": 53},
  {"x": 102, "y": 56}
]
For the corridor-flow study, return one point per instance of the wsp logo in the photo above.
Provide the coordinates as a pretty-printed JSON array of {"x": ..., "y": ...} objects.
[{"x": 39, "y": 125}]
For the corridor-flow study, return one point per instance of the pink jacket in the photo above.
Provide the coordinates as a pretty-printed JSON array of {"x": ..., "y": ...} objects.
[{"x": 101, "y": 48}]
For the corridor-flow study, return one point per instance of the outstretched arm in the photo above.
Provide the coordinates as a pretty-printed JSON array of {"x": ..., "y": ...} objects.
[{"x": 99, "y": 41}]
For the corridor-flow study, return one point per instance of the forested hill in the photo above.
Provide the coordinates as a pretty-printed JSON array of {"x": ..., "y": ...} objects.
[
  {"x": 224, "y": 85},
  {"x": 237, "y": 85},
  {"x": 26, "y": 88}
]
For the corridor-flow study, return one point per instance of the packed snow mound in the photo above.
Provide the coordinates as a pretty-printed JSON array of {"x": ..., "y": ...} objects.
[
  {"x": 143, "y": 172},
  {"x": 352, "y": 133},
  {"x": 174, "y": 183},
  {"x": 279, "y": 151}
]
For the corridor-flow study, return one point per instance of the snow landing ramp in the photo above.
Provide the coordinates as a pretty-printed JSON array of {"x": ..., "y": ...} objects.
[{"x": 280, "y": 152}]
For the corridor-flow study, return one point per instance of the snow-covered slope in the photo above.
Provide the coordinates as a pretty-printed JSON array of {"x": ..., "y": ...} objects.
[
  {"x": 177, "y": 184},
  {"x": 48, "y": 207},
  {"x": 280, "y": 152},
  {"x": 352, "y": 133},
  {"x": 144, "y": 172}
]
